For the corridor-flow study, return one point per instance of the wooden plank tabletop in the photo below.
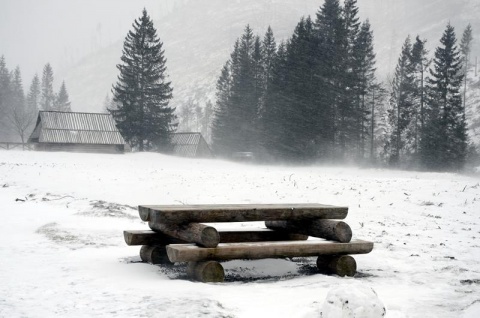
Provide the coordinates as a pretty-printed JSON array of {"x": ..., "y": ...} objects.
[
  {"x": 282, "y": 249},
  {"x": 239, "y": 212}
]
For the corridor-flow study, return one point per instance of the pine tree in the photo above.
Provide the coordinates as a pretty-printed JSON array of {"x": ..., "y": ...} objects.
[
  {"x": 34, "y": 95},
  {"x": 62, "y": 102},
  {"x": 239, "y": 98},
  {"x": 419, "y": 64},
  {"x": 206, "y": 121},
  {"x": 142, "y": 92},
  {"x": 221, "y": 124},
  {"x": 353, "y": 97},
  {"x": 244, "y": 98},
  {"x": 465, "y": 48},
  {"x": 48, "y": 96},
  {"x": 401, "y": 102},
  {"x": 5, "y": 95},
  {"x": 364, "y": 85},
  {"x": 269, "y": 52},
  {"x": 300, "y": 108},
  {"x": 21, "y": 116},
  {"x": 444, "y": 139},
  {"x": 273, "y": 119},
  {"x": 18, "y": 95},
  {"x": 331, "y": 66}
]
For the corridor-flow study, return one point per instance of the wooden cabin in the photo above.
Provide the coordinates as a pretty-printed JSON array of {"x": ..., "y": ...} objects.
[
  {"x": 76, "y": 132},
  {"x": 190, "y": 144}
]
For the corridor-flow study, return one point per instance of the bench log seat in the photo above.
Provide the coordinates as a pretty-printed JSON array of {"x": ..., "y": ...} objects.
[{"x": 259, "y": 250}]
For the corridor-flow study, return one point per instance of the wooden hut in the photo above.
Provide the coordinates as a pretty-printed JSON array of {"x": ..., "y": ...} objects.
[
  {"x": 79, "y": 132},
  {"x": 190, "y": 144}
]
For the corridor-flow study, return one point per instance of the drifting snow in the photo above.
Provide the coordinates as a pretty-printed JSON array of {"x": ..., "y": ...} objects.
[{"x": 63, "y": 252}]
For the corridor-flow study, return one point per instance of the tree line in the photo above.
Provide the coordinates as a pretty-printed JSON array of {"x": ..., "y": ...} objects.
[
  {"x": 316, "y": 98},
  {"x": 18, "y": 111}
]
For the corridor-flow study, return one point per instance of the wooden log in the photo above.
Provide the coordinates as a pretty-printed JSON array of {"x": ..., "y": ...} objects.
[
  {"x": 239, "y": 213},
  {"x": 341, "y": 265},
  {"x": 149, "y": 237},
  {"x": 282, "y": 249},
  {"x": 154, "y": 254},
  {"x": 144, "y": 213},
  {"x": 203, "y": 235},
  {"x": 206, "y": 272},
  {"x": 146, "y": 237},
  {"x": 258, "y": 235},
  {"x": 327, "y": 229}
]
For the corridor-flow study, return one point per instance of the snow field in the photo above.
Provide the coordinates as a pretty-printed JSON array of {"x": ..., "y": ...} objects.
[{"x": 63, "y": 252}]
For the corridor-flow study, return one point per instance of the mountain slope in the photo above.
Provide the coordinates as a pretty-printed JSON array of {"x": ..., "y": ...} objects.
[{"x": 198, "y": 37}]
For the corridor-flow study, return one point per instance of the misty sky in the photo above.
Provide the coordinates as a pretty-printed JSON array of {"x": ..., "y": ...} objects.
[{"x": 34, "y": 32}]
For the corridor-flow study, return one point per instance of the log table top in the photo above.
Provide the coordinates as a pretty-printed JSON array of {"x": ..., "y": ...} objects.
[{"x": 239, "y": 212}]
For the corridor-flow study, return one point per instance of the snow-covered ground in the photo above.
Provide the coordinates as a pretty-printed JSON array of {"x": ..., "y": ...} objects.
[{"x": 63, "y": 254}]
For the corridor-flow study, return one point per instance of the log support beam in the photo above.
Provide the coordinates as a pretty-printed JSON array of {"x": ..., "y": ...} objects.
[
  {"x": 206, "y": 272},
  {"x": 328, "y": 229},
  {"x": 154, "y": 255},
  {"x": 341, "y": 265},
  {"x": 203, "y": 235}
]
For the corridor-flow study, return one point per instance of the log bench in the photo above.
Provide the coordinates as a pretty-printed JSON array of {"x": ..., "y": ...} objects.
[{"x": 178, "y": 234}]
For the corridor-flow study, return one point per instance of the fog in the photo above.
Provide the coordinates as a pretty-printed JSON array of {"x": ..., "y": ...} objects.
[{"x": 62, "y": 32}]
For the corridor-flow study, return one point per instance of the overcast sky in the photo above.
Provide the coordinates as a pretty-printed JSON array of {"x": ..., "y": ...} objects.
[{"x": 34, "y": 32}]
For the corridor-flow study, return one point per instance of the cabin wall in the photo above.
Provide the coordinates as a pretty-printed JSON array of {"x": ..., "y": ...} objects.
[{"x": 88, "y": 148}]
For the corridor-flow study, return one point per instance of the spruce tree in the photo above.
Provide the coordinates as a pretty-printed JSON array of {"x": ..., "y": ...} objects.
[
  {"x": 48, "y": 96},
  {"x": 444, "y": 139},
  {"x": 244, "y": 95},
  {"x": 239, "y": 98},
  {"x": 34, "y": 95},
  {"x": 300, "y": 105},
  {"x": 269, "y": 52},
  {"x": 258, "y": 86},
  {"x": 62, "y": 102},
  {"x": 18, "y": 95},
  {"x": 21, "y": 117},
  {"x": 419, "y": 64},
  {"x": 401, "y": 102},
  {"x": 465, "y": 48},
  {"x": 273, "y": 119},
  {"x": 5, "y": 96},
  {"x": 142, "y": 92},
  {"x": 364, "y": 84},
  {"x": 221, "y": 123},
  {"x": 331, "y": 65}
]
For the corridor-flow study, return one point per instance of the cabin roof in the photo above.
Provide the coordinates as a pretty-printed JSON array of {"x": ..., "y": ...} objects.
[
  {"x": 190, "y": 144},
  {"x": 76, "y": 128}
]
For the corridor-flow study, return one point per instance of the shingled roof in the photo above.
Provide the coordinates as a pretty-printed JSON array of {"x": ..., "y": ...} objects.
[{"x": 76, "y": 128}]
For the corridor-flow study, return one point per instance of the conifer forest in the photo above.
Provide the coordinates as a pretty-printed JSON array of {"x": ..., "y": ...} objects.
[
  {"x": 316, "y": 98},
  {"x": 313, "y": 97}
]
